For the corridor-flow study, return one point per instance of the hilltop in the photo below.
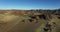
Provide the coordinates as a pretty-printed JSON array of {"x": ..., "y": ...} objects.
[{"x": 28, "y": 20}]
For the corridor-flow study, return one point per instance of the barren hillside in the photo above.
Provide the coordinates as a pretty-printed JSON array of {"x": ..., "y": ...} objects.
[{"x": 29, "y": 20}]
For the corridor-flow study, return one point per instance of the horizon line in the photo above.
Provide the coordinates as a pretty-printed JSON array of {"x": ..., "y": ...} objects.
[{"x": 29, "y": 9}]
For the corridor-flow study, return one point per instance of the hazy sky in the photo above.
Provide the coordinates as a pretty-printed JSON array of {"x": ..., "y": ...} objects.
[{"x": 29, "y": 4}]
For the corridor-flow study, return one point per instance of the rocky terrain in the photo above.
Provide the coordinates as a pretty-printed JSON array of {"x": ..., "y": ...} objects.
[{"x": 29, "y": 20}]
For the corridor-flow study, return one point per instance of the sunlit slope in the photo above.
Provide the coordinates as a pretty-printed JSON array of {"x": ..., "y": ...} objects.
[{"x": 18, "y": 21}]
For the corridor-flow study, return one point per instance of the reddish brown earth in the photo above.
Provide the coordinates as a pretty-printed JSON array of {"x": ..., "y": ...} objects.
[{"x": 12, "y": 21}]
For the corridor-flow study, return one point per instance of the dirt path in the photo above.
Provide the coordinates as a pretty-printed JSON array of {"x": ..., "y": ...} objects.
[{"x": 9, "y": 26}]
